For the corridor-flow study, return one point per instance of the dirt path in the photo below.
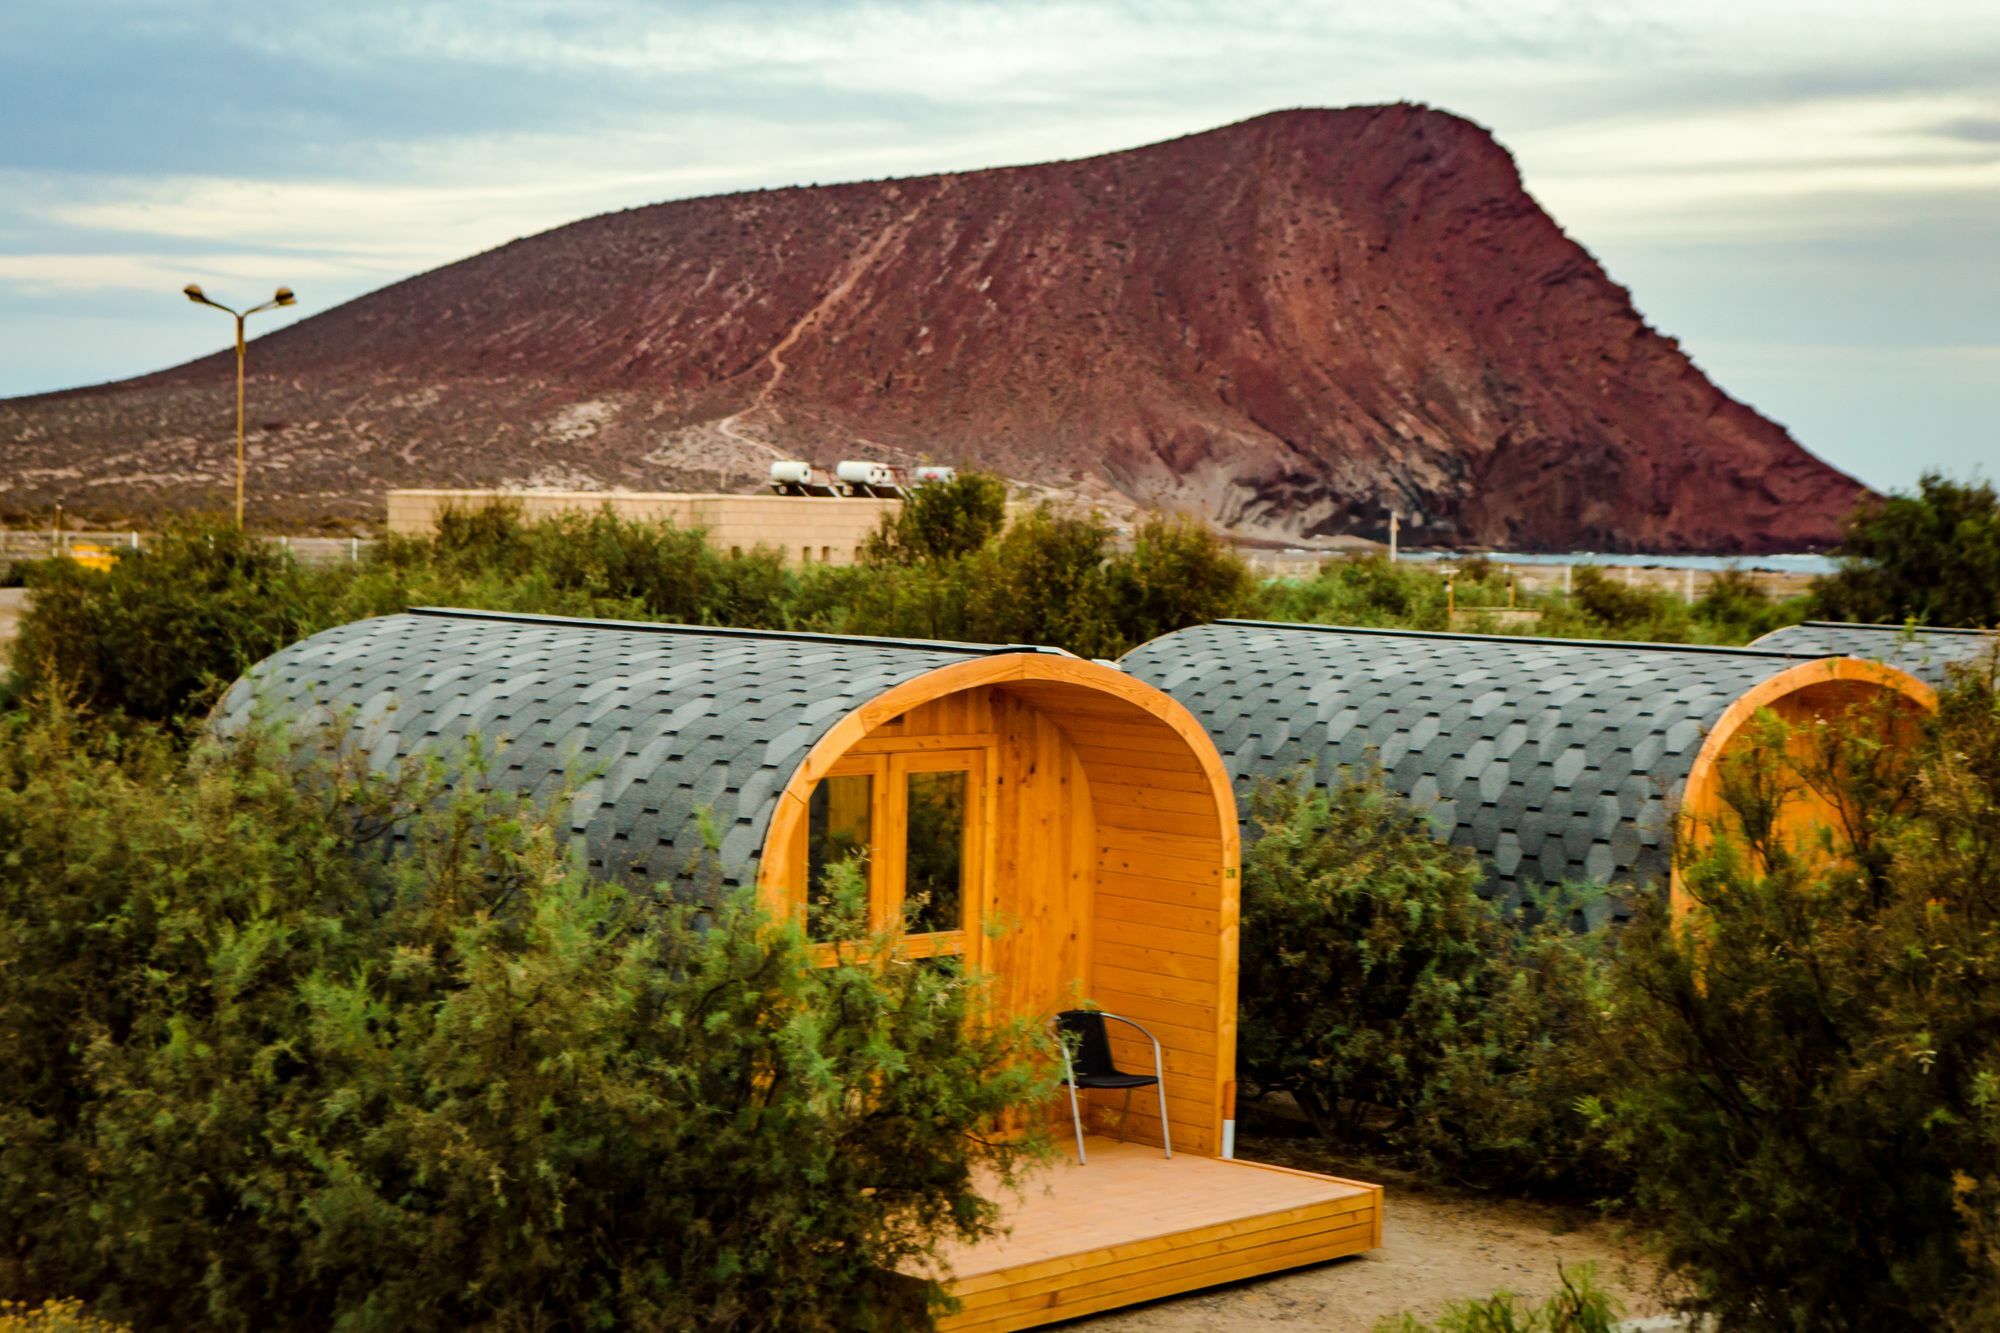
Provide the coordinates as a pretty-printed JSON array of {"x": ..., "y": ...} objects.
[{"x": 1437, "y": 1246}]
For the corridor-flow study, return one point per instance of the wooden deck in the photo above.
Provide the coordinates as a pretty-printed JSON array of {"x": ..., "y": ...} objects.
[{"x": 1133, "y": 1226}]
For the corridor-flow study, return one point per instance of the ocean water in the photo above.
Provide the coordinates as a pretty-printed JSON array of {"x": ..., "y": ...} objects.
[{"x": 1790, "y": 564}]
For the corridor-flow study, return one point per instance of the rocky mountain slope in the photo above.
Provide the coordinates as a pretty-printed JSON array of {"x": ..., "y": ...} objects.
[{"x": 1291, "y": 325}]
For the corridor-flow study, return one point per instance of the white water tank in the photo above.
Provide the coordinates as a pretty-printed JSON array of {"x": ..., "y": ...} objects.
[
  {"x": 927, "y": 475},
  {"x": 791, "y": 473},
  {"x": 856, "y": 473}
]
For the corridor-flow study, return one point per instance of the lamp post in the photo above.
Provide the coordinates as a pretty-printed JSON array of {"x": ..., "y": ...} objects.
[{"x": 284, "y": 296}]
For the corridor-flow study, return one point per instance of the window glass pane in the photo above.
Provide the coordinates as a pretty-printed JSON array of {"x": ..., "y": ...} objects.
[
  {"x": 934, "y": 870},
  {"x": 838, "y": 828}
]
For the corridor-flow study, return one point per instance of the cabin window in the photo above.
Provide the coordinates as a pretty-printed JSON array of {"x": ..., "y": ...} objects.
[
  {"x": 839, "y": 824},
  {"x": 934, "y": 852},
  {"x": 913, "y": 819}
]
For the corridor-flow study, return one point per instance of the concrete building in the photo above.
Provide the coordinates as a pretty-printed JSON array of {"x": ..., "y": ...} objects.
[{"x": 805, "y": 529}]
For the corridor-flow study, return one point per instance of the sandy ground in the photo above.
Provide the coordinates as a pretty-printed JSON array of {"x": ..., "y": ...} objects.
[
  {"x": 1437, "y": 1247},
  {"x": 1439, "y": 1244}
]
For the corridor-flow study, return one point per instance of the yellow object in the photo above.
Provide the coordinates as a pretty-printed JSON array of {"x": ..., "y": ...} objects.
[
  {"x": 58, "y": 1316},
  {"x": 92, "y": 556}
]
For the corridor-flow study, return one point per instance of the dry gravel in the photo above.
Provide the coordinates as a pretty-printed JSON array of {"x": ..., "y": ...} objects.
[
  {"x": 1436, "y": 1248},
  {"x": 1438, "y": 1245}
]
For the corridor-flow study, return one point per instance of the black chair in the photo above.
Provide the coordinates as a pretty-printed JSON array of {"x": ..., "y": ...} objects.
[{"x": 1087, "y": 1063}]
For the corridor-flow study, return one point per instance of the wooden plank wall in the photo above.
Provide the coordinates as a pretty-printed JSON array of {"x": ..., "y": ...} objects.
[
  {"x": 1163, "y": 917},
  {"x": 1111, "y": 882},
  {"x": 1035, "y": 927}
]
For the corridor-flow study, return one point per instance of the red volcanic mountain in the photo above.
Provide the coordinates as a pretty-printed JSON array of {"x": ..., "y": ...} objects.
[{"x": 1291, "y": 325}]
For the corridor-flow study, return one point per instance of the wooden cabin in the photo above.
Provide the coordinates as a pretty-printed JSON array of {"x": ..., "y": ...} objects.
[
  {"x": 1558, "y": 761},
  {"x": 1067, "y": 829},
  {"x": 1928, "y": 652}
]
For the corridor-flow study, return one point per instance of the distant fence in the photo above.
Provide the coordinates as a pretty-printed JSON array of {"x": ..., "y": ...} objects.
[
  {"x": 1686, "y": 581},
  {"x": 41, "y": 543}
]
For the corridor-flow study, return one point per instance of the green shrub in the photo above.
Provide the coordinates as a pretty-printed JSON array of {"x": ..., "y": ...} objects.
[
  {"x": 1518, "y": 1105},
  {"x": 1363, "y": 942},
  {"x": 1178, "y": 573},
  {"x": 1615, "y": 605},
  {"x": 1369, "y": 591},
  {"x": 1737, "y": 609},
  {"x": 263, "y": 1073},
  {"x": 1932, "y": 557},
  {"x": 167, "y": 628},
  {"x": 1582, "y": 1306},
  {"x": 1805, "y": 1070},
  {"x": 1043, "y": 581},
  {"x": 941, "y": 521},
  {"x": 1407, "y": 1015}
]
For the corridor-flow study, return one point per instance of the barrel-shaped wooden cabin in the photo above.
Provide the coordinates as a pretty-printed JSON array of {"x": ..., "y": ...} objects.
[
  {"x": 1066, "y": 829},
  {"x": 1557, "y": 761},
  {"x": 1928, "y": 652}
]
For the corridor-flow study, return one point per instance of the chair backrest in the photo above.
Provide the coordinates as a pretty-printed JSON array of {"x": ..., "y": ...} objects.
[{"x": 1092, "y": 1053}]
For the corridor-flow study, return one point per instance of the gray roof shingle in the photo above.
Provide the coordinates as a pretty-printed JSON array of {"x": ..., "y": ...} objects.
[
  {"x": 656, "y": 721},
  {"x": 1574, "y": 752},
  {"x": 1927, "y": 652}
]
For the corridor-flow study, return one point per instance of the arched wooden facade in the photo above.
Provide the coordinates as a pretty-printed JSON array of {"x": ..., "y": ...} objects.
[
  {"x": 1555, "y": 760},
  {"x": 1927, "y": 652},
  {"x": 1091, "y": 857},
  {"x": 1100, "y": 831}
]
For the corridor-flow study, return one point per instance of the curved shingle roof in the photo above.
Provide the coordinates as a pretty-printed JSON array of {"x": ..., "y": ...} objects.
[
  {"x": 1927, "y": 652},
  {"x": 659, "y": 722},
  {"x": 1556, "y": 760}
]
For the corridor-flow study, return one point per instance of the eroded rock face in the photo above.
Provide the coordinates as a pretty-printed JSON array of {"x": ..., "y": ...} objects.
[{"x": 1289, "y": 325}]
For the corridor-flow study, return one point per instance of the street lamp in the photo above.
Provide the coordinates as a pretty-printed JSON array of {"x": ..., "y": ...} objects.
[{"x": 284, "y": 296}]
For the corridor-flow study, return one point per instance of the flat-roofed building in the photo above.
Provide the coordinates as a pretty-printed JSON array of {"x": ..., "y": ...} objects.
[{"x": 805, "y": 529}]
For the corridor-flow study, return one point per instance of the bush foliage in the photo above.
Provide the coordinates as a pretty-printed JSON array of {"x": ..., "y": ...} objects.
[
  {"x": 1581, "y": 1305},
  {"x": 265, "y": 1074},
  {"x": 1804, "y": 1072},
  {"x": 169, "y": 626},
  {"x": 1932, "y": 557},
  {"x": 1406, "y": 1014}
]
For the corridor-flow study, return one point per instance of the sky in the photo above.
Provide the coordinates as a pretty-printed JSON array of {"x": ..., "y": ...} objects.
[{"x": 1805, "y": 192}]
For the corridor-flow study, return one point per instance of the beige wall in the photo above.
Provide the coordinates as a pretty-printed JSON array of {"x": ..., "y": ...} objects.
[{"x": 806, "y": 528}]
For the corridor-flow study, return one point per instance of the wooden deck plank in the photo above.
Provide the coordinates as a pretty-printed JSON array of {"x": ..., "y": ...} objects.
[
  {"x": 1148, "y": 1278},
  {"x": 1133, "y": 1226}
]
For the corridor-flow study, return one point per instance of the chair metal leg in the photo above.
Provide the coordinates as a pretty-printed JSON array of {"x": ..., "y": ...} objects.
[
  {"x": 1075, "y": 1113},
  {"x": 1160, "y": 1072}
]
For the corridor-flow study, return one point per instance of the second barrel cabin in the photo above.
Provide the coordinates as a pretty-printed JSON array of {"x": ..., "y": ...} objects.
[{"x": 1556, "y": 760}]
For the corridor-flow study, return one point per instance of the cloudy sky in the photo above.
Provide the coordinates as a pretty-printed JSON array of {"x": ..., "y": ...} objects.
[{"x": 1806, "y": 192}]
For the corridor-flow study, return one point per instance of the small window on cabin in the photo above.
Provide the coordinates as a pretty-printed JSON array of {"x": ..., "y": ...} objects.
[
  {"x": 934, "y": 852},
  {"x": 805, "y": 555},
  {"x": 839, "y": 827},
  {"x": 826, "y": 553}
]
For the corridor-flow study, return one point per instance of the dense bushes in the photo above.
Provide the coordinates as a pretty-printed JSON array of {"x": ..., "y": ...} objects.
[
  {"x": 1403, "y": 1012},
  {"x": 263, "y": 1074},
  {"x": 1363, "y": 939},
  {"x": 168, "y": 629},
  {"x": 160, "y": 634},
  {"x": 1805, "y": 1072},
  {"x": 168, "y": 626},
  {"x": 1932, "y": 557}
]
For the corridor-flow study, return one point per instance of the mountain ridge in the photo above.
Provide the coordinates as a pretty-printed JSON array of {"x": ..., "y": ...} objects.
[{"x": 1290, "y": 325}]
